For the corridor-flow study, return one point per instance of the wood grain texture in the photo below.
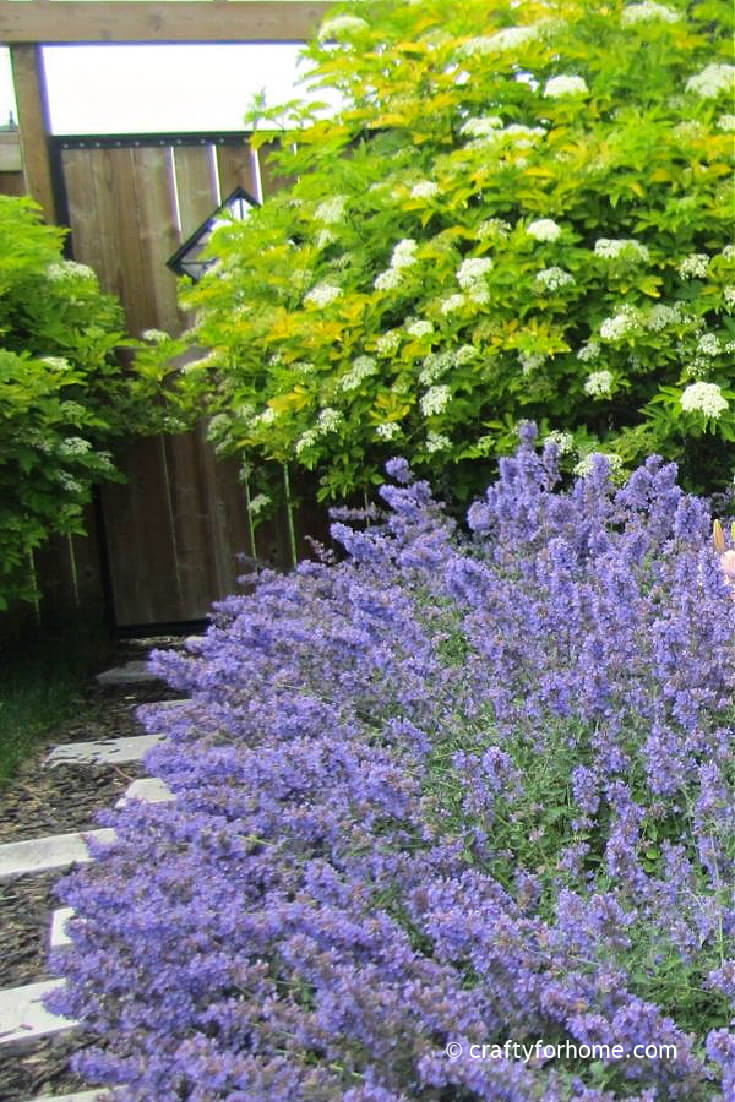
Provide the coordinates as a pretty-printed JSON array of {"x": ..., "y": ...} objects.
[{"x": 33, "y": 120}]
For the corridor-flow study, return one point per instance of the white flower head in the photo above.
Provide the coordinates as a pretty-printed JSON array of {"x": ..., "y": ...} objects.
[
  {"x": 331, "y": 210},
  {"x": 726, "y": 123},
  {"x": 563, "y": 440},
  {"x": 328, "y": 420},
  {"x": 436, "y": 442},
  {"x": 529, "y": 361},
  {"x": 435, "y": 400},
  {"x": 362, "y": 368},
  {"x": 388, "y": 343},
  {"x": 388, "y": 430},
  {"x": 585, "y": 466},
  {"x": 648, "y": 12},
  {"x": 509, "y": 38},
  {"x": 424, "y": 189},
  {"x": 493, "y": 227},
  {"x": 694, "y": 266},
  {"x": 705, "y": 398},
  {"x": 306, "y": 441},
  {"x": 544, "y": 229},
  {"x": 56, "y": 363},
  {"x": 589, "y": 351},
  {"x": 598, "y": 384},
  {"x": 453, "y": 303},
  {"x": 625, "y": 248},
  {"x": 661, "y": 315},
  {"x": 74, "y": 445},
  {"x": 389, "y": 280},
  {"x": 341, "y": 26},
  {"x": 324, "y": 239},
  {"x": 323, "y": 294},
  {"x": 713, "y": 80},
  {"x": 404, "y": 253},
  {"x": 473, "y": 270},
  {"x": 561, "y": 86},
  {"x": 465, "y": 354},
  {"x": 154, "y": 336},
  {"x": 419, "y": 327},
  {"x": 728, "y": 295},
  {"x": 482, "y": 127},
  {"x": 551, "y": 279},
  {"x": 620, "y": 325},
  {"x": 69, "y": 269},
  {"x": 258, "y": 503},
  {"x": 708, "y": 345}
]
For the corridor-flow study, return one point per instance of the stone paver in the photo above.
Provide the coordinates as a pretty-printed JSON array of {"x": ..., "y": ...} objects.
[
  {"x": 150, "y": 789},
  {"x": 23, "y": 1016},
  {"x": 53, "y": 852},
  {"x": 59, "y": 919},
  {"x": 134, "y": 672},
  {"x": 80, "y": 1096},
  {"x": 110, "y": 752}
]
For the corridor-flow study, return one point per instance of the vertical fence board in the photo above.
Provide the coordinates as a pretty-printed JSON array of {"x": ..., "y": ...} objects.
[
  {"x": 159, "y": 234},
  {"x": 195, "y": 186},
  {"x": 236, "y": 169}
]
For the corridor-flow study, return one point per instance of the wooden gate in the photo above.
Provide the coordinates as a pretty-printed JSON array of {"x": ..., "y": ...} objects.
[{"x": 171, "y": 534}]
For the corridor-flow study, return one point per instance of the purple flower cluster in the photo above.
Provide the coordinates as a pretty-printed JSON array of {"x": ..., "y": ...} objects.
[{"x": 455, "y": 789}]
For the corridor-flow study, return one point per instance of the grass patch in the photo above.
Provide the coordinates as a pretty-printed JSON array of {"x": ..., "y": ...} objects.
[{"x": 42, "y": 684}]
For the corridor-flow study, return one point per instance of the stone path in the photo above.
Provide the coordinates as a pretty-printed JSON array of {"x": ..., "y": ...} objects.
[{"x": 23, "y": 1017}]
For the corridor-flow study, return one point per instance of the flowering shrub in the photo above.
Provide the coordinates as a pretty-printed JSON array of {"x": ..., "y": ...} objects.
[
  {"x": 447, "y": 791},
  {"x": 62, "y": 394},
  {"x": 547, "y": 185}
]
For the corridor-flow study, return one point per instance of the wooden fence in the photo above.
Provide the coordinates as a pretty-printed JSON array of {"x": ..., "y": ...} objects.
[{"x": 164, "y": 544}]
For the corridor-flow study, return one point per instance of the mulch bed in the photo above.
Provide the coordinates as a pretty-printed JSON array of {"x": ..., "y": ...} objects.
[{"x": 41, "y": 801}]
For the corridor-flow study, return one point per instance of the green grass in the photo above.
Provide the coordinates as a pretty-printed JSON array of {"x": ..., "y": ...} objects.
[{"x": 42, "y": 683}]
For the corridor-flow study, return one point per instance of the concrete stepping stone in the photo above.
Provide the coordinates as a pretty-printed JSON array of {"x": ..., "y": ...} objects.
[
  {"x": 80, "y": 1096},
  {"x": 23, "y": 1017},
  {"x": 150, "y": 789},
  {"x": 53, "y": 852},
  {"x": 109, "y": 752},
  {"x": 59, "y": 918},
  {"x": 134, "y": 672}
]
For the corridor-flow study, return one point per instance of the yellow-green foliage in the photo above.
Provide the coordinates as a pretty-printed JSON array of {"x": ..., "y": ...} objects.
[{"x": 519, "y": 211}]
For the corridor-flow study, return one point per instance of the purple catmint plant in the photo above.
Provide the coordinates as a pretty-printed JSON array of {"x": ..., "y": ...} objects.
[{"x": 457, "y": 790}]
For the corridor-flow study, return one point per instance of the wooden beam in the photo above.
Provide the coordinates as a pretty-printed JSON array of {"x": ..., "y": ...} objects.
[
  {"x": 10, "y": 157},
  {"x": 162, "y": 21},
  {"x": 33, "y": 124}
]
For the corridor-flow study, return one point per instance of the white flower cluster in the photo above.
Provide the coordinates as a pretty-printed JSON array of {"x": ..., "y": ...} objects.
[
  {"x": 328, "y": 420},
  {"x": 648, "y": 12},
  {"x": 362, "y": 368},
  {"x": 331, "y": 210},
  {"x": 388, "y": 430},
  {"x": 708, "y": 345},
  {"x": 323, "y": 294},
  {"x": 154, "y": 336},
  {"x": 482, "y": 127},
  {"x": 325, "y": 238},
  {"x": 472, "y": 271},
  {"x": 307, "y": 440},
  {"x": 493, "y": 227},
  {"x": 69, "y": 269},
  {"x": 424, "y": 189},
  {"x": 435, "y": 400},
  {"x": 598, "y": 384},
  {"x": 726, "y": 123},
  {"x": 341, "y": 25},
  {"x": 68, "y": 484},
  {"x": 551, "y": 279},
  {"x": 258, "y": 503},
  {"x": 589, "y": 351},
  {"x": 544, "y": 229},
  {"x": 435, "y": 365},
  {"x": 705, "y": 398},
  {"x": 403, "y": 256},
  {"x": 728, "y": 253},
  {"x": 452, "y": 304},
  {"x": 465, "y": 354},
  {"x": 436, "y": 442},
  {"x": 615, "y": 248},
  {"x": 56, "y": 363},
  {"x": 728, "y": 294},
  {"x": 561, "y": 86},
  {"x": 689, "y": 128},
  {"x": 404, "y": 253},
  {"x": 267, "y": 417},
  {"x": 74, "y": 445},
  {"x": 659, "y": 316},
  {"x": 388, "y": 343},
  {"x": 584, "y": 467},
  {"x": 419, "y": 327},
  {"x": 506, "y": 39},
  {"x": 619, "y": 325},
  {"x": 694, "y": 266},
  {"x": 712, "y": 81},
  {"x": 529, "y": 361},
  {"x": 563, "y": 440}
]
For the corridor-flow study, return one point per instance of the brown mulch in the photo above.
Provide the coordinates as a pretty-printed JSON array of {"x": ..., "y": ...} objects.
[{"x": 41, "y": 801}]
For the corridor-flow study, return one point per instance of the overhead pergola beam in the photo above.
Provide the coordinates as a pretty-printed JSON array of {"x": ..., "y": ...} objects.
[{"x": 163, "y": 21}]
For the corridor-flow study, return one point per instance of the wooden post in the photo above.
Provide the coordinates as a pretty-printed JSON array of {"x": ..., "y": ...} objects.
[{"x": 33, "y": 124}]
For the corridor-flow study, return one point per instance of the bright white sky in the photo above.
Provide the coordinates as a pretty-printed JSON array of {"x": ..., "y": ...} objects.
[{"x": 150, "y": 89}]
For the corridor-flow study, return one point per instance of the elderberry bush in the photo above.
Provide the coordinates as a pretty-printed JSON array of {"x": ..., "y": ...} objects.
[{"x": 463, "y": 789}]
